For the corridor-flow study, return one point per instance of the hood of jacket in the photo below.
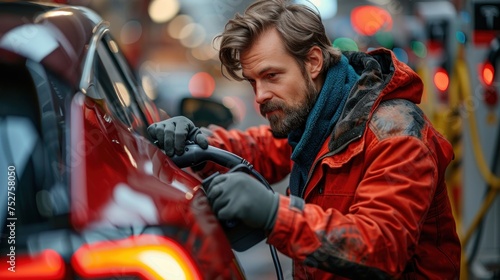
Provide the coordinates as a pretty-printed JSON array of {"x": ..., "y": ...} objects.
[{"x": 382, "y": 77}]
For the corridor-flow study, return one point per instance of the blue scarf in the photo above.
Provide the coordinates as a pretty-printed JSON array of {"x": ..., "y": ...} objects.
[{"x": 306, "y": 142}]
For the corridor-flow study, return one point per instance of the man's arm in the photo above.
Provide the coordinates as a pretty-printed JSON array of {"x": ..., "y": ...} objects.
[
  {"x": 376, "y": 238},
  {"x": 268, "y": 155}
]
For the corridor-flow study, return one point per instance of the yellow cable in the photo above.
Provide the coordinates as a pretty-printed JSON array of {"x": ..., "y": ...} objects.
[
  {"x": 490, "y": 178},
  {"x": 426, "y": 104},
  {"x": 458, "y": 95}
]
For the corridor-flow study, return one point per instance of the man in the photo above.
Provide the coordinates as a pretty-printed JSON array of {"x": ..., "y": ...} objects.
[{"x": 367, "y": 192}]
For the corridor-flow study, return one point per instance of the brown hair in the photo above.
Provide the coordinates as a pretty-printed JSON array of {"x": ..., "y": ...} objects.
[{"x": 299, "y": 26}]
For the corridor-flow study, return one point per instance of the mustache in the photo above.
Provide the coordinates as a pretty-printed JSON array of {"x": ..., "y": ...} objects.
[{"x": 269, "y": 107}]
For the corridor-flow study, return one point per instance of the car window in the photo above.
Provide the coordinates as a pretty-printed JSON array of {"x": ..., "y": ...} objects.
[
  {"x": 117, "y": 91},
  {"x": 149, "y": 111}
]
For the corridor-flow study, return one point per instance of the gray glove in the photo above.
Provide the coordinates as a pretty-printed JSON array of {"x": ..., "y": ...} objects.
[
  {"x": 173, "y": 133},
  {"x": 240, "y": 196}
]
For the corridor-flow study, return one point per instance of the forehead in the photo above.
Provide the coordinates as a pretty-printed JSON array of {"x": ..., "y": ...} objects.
[{"x": 267, "y": 50}]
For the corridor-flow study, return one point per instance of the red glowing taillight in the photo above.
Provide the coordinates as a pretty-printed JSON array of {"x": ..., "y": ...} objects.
[
  {"x": 47, "y": 264},
  {"x": 146, "y": 256}
]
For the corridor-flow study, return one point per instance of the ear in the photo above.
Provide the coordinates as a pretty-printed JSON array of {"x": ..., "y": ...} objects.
[{"x": 314, "y": 62}]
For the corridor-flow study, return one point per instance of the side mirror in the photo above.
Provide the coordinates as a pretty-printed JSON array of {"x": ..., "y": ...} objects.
[{"x": 206, "y": 111}]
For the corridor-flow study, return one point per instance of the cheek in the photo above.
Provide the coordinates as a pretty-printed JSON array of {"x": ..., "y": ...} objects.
[{"x": 295, "y": 91}]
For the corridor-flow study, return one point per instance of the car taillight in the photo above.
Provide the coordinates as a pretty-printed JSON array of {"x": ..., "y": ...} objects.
[
  {"x": 146, "y": 256},
  {"x": 47, "y": 264}
]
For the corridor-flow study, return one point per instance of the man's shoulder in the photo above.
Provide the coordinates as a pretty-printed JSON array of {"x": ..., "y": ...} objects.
[{"x": 397, "y": 117}]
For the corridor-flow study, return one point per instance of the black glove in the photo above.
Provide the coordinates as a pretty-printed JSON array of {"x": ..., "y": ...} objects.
[
  {"x": 240, "y": 196},
  {"x": 173, "y": 133}
]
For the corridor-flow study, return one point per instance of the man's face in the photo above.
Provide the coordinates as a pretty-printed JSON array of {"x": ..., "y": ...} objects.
[{"x": 285, "y": 94}]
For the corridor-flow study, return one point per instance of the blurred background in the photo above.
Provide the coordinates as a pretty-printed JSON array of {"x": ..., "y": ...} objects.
[{"x": 453, "y": 45}]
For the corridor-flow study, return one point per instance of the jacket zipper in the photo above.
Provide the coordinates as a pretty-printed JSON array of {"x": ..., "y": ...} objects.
[{"x": 324, "y": 156}]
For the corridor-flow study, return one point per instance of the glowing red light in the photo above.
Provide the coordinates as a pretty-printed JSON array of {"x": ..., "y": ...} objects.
[
  {"x": 488, "y": 74},
  {"x": 47, "y": 264},
  {"x": 441, "y": 79},
  {"x": 368, "y": 20},
  {"x": 202, "y": 85}
]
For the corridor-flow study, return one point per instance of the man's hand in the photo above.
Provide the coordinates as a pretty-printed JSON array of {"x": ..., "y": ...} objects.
[
  {"x": 173, "y": 133},
  {"x": 240, "y": 196}
]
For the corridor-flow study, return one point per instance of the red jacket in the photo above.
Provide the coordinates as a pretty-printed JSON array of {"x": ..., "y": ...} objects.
[{"x": 376, "y": 203}]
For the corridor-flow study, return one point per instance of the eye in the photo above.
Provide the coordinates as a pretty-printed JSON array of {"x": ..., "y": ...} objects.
[
  {"x": 251, "y": 82},
  {"x": 271, "y": 76}
]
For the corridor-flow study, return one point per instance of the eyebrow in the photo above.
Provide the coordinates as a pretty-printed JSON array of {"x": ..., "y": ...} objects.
[{"x": 264, "y": 70}]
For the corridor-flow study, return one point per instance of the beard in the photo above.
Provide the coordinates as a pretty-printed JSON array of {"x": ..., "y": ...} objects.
[{"x": 294, "y": 116}]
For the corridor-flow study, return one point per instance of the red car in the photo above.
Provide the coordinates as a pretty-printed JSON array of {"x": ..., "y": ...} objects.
[{"x": 84, "y": 193}]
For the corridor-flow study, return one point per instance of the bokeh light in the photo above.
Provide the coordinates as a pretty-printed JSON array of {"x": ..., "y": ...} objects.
[
  {"x": 176, "y": 24},
  {"x": 461, "y": 38},
  {"x": 345, "y": 44},
  {"x": 327, "y": 8},
  {"x": 487, "y": 73},
  {"x": 161, "y": 11},
  {"x": 192, "y": 35},
  {"x": 202, "y": 84},
  {"x": 401, "y": 54},
  {"x": 368, "y": 20},
  {"x": 419, "y": 49},
  {"x": 204, "y": 52},
  {"x": 441, "y": 79},
  {"x": 385, "y": 39},
  {"x": 149, "y": 87}
]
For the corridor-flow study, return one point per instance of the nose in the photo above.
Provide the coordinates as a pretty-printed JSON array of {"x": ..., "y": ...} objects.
[{"x": 262, "y": 94}]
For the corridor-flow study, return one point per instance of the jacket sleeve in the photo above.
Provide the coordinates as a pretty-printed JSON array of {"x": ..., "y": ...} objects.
[
  {"x": 377, "y": 236},
  {"x": 268, "y": 155}
]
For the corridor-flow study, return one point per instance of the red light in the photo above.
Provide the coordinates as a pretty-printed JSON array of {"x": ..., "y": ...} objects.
[
  {"x": 202, "y": 84},
  {"x": 488, "y": 73},
  {"x": 146, "y": 256},
  {"x": 47, "y": 264},
  {"x": 368, "y": 20},
  {"x": 441, "y": 79}
]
